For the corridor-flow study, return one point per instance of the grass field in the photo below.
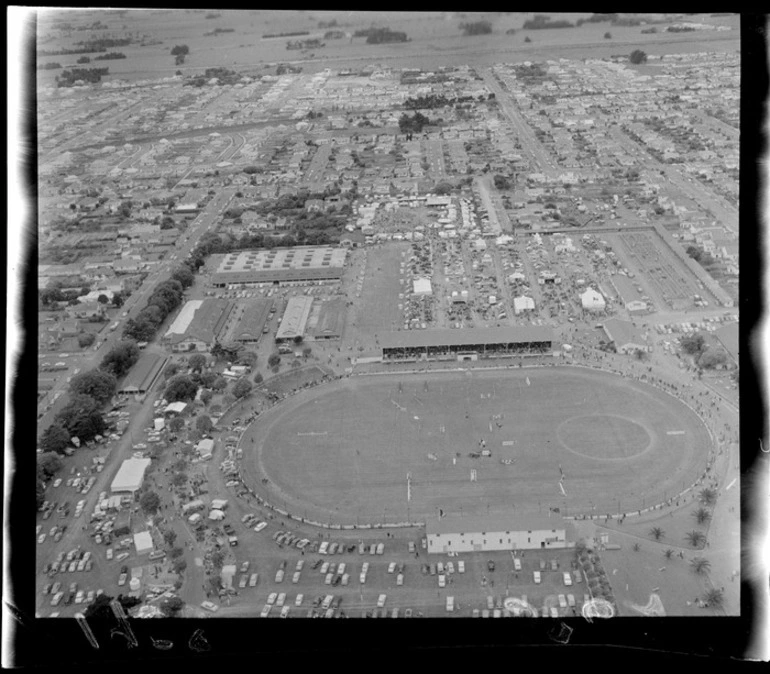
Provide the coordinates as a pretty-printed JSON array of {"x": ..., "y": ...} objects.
[
  {"x": 436, "y": 40},
  {"x": 342, "y": 452}
]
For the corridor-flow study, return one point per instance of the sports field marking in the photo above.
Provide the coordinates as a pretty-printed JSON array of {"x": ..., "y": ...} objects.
[
  {"x": 731, "y": 484},
  {"x": 527, "y": 381},
  {"x": 403, "y": 409},
  {"x": 561, "y": 486},
  {"x": 508, "y": 443},
  {"x": 311, "y": 433},
  {"x": 675, "y": 433}
]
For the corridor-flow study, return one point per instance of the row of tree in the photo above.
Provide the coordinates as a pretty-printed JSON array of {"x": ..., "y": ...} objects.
[{"x": 166, "y": 297}]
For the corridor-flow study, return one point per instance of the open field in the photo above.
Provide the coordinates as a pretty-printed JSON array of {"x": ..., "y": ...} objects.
[
  {"x": 436, "y": 40},
  {"x": 343, "y": 451}
]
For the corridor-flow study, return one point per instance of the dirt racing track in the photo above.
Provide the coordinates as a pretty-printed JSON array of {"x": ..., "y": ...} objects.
[{"x": 397, "y": 448}]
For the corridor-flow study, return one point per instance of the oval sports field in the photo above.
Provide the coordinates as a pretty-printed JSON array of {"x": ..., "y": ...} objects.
[{"x": 575, "y": 439}]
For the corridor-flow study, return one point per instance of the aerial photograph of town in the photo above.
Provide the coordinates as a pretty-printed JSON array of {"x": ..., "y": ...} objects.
[{"x": 350, "y": 314}]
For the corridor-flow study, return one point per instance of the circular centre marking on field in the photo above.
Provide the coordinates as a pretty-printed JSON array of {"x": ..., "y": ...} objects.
[{"x": 603, "y": 436}]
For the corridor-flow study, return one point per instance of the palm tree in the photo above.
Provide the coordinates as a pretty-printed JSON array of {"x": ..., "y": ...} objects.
[
  {"x": 700, "y": 565},
  {"x": 695, "y": 538},
  {"x": 707, "y": 496},
  {"x": 656, "y": 533},
  {"x": 669, "y": 553},
  {"x": 714, "y": 598},
  {"x": 701, "y": 515}
]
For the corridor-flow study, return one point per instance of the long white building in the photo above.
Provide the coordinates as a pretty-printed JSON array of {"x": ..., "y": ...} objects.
[{"x": 474, "y": 534}]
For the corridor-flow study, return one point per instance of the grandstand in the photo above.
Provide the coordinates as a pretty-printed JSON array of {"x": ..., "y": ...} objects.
[{"x": 445, "y": 344}]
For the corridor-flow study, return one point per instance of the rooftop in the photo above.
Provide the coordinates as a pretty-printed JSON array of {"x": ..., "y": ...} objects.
[
  {"x": 294, "y": 317},
  {"x": 448, "y": 337},
  {"x": 453, "y": 524}
]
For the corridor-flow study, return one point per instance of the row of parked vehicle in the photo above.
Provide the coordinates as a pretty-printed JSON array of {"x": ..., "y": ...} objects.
[{"x": 74, "y": 560}]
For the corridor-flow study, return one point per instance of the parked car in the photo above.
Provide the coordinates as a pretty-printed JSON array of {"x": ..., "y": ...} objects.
[
  {"x": 253, "y": 579},
  {"x": 209, "y": 606},
  {"x": 441, "y": 580},
  {"x": 461, "y": 566},
  {"x": 490, "y": 565}
]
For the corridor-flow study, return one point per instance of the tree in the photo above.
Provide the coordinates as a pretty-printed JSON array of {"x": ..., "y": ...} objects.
[
  {"x": 150, "y": 502},
  {"x": 86, "y": 339},
  {"x": 182, "y": 388},
  {"x": 50, "y": 463},
  {"x": 180, "y": 50},
  {"x": 700, "y": 565},
  {"x": 656, "y": 533},
  {"x": 637, "y": 56},
  {"x": 197, "y": 362},
  {"x": 528, "y": 39},
  {"x": 636, "y": 547},
  {"x": 171, "y": 606},
  {"x": 175, "y": 553},
  {"x": 296, "y": 364},
  {"x": 274, "y": 359},
  {"x": 692, "y": 344},
  {"x": 608, "y": 36},
  {"x": 206, "y": 396},
  {"x": 219, "y": 384},
  {"x": 707, "y": 496},
  {"x": 702, "y": 515},
  {"x": 476, "y": 28},
  {"x": 714, "y": 598},
  {"x": 712, "y": 357},
  {"x": 501, "y": 182},
  {"x": 242, "y": 388},
  {"x": 171, "y": 369},
  {"x": 203, "y": 424},
  {"x": 118, "y": 299},
  {"x": 169, "y": 536},
  {"x": 695, "y": 538},
  {"x": 81, "y": 418},
  {"x": 39, "y": 488},
  {"x": 184, "y": 276},
  {"x": 121, "y": 358},
  {"x": 306, "y": 352},
  {"x": 668, "y": 553},
  {"x": 215, "y": 583},
  {"x": 176, "y": 424},
  {"x": 55, "y": 438},
  {"x": 258, "y": 378},
  {"x": 103, "y": 299},
  {"x": 179, "y": 565},
  {"x": 98, "y": 384},
  {"x": 179, "y": 479}
]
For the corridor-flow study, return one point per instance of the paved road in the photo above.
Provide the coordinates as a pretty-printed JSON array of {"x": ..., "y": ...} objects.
[
  {"x": 138, "y": 300},
  {"x": 526, "y": 136}
]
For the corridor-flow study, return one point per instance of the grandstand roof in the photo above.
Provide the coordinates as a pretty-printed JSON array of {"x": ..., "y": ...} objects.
[
  {"x": 141, "y": 376},
  {"x": 446, "y": 337}
]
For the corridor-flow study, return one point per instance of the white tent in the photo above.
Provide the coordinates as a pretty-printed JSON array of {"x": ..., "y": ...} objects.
[
  {"x": 521, "y": 304},
  {"x": 194, "y": 518},
  {"x": 219, "y": 503},
  {"x": 592, "y": 300},
  {"x": 422, "y": 286},
  {"x": 130, "y": 475},
  {"x": 216, "y": 515},
  {"x": 143, "y": 543}
]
